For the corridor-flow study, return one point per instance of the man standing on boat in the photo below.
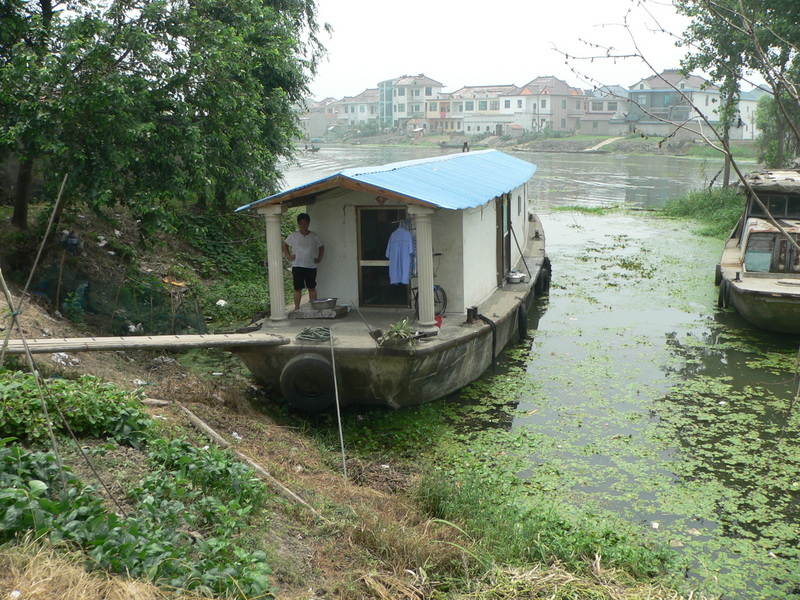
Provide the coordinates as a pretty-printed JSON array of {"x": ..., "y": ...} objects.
[{"x": 305, "y": 249}]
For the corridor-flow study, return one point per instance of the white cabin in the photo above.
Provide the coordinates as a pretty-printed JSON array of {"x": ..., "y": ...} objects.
[{"x": 467, "y": 212}]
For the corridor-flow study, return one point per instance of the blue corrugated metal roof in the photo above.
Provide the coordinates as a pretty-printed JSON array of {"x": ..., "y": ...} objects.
[{"x": 455, "y": 181}]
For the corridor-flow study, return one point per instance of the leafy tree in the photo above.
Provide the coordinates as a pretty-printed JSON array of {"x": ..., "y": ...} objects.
[
  {"x": 728, "y": 38},
  {"x": 153, "y": 104},
  {"x": 717, "y": 50},
  {"x": 776, "y": 143}
]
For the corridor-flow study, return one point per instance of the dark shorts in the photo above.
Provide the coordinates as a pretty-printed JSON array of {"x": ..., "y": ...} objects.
[{"x": 304, "y": 278}]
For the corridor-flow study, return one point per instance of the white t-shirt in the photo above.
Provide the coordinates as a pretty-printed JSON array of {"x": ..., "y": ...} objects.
[{"x": 305, "y": 248}]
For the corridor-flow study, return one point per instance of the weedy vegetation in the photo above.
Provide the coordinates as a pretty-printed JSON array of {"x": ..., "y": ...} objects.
[
  {"x": 717, "y": 210},
  {"x": 188, "y": 530}
]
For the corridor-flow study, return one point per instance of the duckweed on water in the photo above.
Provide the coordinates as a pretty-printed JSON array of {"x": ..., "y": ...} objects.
[{"x": 637, "y": 401}]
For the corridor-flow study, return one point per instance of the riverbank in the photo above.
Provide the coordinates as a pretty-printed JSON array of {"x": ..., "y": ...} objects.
[
  {"x": 375, "y": 533},
  {"x": 634, "y": 144}
]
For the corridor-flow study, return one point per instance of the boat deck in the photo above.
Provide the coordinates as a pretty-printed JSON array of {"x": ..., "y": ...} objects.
[
  {"x": 757, "y": 283},
  {"x": 352, "y": 330}
]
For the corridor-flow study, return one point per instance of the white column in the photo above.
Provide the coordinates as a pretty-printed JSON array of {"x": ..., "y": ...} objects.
[
  {"x": 422, "y": 219},
  {"x": 277, "y": 293}
]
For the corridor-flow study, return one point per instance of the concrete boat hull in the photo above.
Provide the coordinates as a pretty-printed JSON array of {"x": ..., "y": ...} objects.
[
  {"x": 397, "y": 377},
  {"x": 370, "y": 374},
  {"x": 779, "y": 312},
  {"x": 769, "y": 301}
]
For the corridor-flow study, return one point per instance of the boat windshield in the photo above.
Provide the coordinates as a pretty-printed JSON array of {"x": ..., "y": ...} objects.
[
  {"x": 758, "y": 252},
  {"x": 781, "y": 206}
]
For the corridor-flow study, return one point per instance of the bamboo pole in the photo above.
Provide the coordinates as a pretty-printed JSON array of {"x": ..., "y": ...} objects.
[{"x": 170, "y": 342}]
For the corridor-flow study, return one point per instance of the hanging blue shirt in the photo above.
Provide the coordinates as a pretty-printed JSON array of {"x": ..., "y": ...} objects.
[{"x": 399, "y": 251}]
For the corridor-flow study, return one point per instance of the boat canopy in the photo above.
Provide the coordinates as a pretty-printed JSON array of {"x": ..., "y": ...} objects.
[{"x": 455, "y": 181}]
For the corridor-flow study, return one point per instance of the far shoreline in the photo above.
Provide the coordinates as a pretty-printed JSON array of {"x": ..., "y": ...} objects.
[{"x": 634, "y": 144}]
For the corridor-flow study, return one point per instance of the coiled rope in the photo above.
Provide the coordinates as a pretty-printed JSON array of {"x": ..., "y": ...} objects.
[{"x": 314, "y": 334}]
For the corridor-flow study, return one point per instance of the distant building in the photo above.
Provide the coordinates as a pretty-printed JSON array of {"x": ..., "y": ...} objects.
[
  {"x": 673, "y": 104},
  {"x": 667, "y": 104},
  {"x": 606, "y": 112},
  {"x": 402, "y": 99},
  {"x": 353, "y": 110},
  {"x": 548, "y": 103},
  {"x": 471, "y": 110},
  {"x": 316, "y": 118},
  {"x": 745, "y": 128}
]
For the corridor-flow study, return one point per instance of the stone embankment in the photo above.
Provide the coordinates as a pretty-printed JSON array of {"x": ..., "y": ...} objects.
[{"x": 631, "y": 144}]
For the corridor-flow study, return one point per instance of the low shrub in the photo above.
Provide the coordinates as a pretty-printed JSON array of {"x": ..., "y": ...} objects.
[
  {"x": 180, "y": 537},
  {"x": 90, "y": 408},
  {"x": 717, "y": 209}
]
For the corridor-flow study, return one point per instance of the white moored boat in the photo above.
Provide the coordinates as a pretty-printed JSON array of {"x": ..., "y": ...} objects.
[{"x": 474, "y": 237}]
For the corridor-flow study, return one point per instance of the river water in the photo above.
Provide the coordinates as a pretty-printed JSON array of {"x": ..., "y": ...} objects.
[{"x": 640, "y": 397}]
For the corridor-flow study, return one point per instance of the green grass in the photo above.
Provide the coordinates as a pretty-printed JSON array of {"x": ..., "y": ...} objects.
[
  {"x": 742, "y": 152},
  {"x": 589, "y": 210},
  {"x": 514, "y": 526},
  {"x": 716, "y": 210}
]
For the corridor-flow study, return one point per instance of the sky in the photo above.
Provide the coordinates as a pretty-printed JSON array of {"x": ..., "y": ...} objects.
[{"x": 493, "y": 42}]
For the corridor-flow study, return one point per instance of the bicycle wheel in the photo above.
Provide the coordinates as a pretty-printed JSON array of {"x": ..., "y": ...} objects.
[{"x": 439, "y": 300}]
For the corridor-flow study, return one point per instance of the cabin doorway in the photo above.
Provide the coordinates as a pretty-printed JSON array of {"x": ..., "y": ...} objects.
[
  {"x": 375, "y": 226},
  {"x": 503, "y": 237}
]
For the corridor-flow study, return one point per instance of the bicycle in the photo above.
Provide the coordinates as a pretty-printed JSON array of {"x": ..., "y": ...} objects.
[{"x": 439, "y": 297}]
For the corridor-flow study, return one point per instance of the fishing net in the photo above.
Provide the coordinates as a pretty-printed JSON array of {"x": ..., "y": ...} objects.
[{"x": 116, "y": 301}]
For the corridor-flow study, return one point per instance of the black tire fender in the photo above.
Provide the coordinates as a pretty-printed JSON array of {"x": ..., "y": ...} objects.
[
  {"x": 723, "y": 298},
  {"x": 542, "y": 284},
  {"x": 307, "y": 382},
  {"x": 522, "y": 321},
  {"x": 718, "y": 275}
]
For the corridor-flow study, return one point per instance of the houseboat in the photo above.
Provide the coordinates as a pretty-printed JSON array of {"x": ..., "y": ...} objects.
[
  {"x": 472, "y": 235},
  {"x": 759, "y": 272}
]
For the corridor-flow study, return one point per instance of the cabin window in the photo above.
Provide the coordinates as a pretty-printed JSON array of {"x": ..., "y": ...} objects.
[
  {"x": 776, "y": 204},
  {"x": 793, "y": 207},
  {"x": 780, "y": 206},
  {"x": 758, "y": 256},
  {"x": 788, "y": 258}
]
